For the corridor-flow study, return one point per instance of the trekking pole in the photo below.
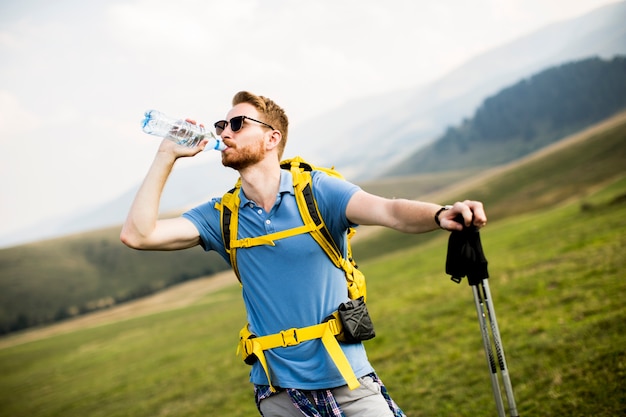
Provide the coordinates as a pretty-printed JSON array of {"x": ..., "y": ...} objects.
[
  {"x": 497, "y": 340},
  {"x": 466, "y": 258},
  {"x": 495, "y": 385}
]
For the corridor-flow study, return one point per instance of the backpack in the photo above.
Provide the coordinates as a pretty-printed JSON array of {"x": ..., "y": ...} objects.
[
  {"x": 313, "y": 224},
  {"x": 342, "y": 324}
]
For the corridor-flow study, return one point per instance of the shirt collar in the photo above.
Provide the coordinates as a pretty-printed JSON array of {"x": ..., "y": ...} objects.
[{"x": 285, "y": 186}]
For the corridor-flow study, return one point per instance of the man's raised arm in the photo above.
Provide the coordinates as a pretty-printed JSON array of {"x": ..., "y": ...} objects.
[{"x": 143, "y": 229}]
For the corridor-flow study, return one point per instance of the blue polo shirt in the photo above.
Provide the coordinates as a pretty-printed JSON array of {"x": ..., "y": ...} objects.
[{"x": 292, "y": 284}]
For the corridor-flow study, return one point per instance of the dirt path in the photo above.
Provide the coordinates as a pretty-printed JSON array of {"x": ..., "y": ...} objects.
[{"x": 179, "y": 296}]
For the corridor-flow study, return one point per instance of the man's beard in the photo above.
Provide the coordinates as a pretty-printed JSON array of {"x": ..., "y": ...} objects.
[{"x": 244, "y": 157}]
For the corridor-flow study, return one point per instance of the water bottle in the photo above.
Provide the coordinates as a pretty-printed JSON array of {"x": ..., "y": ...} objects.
[{"x": 180, "y": 131}]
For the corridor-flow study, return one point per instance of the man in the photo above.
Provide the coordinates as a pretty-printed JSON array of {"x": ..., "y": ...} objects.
[{"x": 291, "y": 284}]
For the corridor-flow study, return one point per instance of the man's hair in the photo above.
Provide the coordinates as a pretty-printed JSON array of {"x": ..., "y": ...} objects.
[{"x": 271, "y": 113}]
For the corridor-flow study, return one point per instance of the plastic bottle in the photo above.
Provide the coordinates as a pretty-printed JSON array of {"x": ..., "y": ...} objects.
[{"x": 179, "y": 130}]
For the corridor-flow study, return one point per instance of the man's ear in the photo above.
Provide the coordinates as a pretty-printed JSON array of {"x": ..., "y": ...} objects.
[{"x": 274, "y": 139}]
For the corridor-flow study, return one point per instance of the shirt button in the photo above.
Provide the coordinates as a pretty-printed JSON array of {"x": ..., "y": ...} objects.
[
  {"x": 268, "y": 221},
  {"x": 260, "y": 211}
]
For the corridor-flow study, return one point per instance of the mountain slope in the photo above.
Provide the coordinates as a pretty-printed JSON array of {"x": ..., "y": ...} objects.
[
  {"x": 566, "y": 170},
  {"x": 59, "y": 278},
  {"x": 527, "y": 116},
  {"x": 366, "y": 137},
  {"x": 55, "y": 279},
  {"x": 557, "y": 285}
]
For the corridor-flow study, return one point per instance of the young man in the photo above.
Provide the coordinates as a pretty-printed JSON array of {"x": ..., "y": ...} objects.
[{"x": 291, "y": 284}]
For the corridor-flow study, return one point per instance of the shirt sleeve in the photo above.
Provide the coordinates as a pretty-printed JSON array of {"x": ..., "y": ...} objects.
[
  {"x": 332, "y": 195},
  {"x": 206, "y": 218}
]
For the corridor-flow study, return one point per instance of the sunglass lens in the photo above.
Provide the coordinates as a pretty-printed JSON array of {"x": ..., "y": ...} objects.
[
  {"x": 220, "y": 126},
  {"x": 236, "y": 123}
]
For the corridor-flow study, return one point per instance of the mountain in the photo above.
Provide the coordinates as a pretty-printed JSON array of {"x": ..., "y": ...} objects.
[
  {"x": 365, "y": 137},
  {"x": 527, "y": 116},
  {"x": 370, "y": 135}
]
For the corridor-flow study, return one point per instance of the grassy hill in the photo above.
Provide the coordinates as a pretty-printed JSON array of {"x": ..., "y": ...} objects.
[
  {"x": 60, "y": 278},
  {"x": 56, "y": 279},
  {"x": 555, "y": 244},
  {"x": 567, "y": 170}
]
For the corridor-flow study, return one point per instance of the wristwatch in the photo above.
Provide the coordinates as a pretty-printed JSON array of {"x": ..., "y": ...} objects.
[{"x": 444, "y": 208}]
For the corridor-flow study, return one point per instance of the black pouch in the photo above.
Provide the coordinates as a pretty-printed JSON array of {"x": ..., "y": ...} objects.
[{"x": 356, "y": 322}]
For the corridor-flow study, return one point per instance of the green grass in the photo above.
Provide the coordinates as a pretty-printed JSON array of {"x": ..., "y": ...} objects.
[
  {"x": 567, "y": 174},
  {"x": 555, "y": 243},
  {"x": 558, "y": 289},
  {"x": 557, "y": 282},
  {"x": 80, "y": 273},
  {"x": 59, "y": 278},
  {"x": 164, "y": 364}
]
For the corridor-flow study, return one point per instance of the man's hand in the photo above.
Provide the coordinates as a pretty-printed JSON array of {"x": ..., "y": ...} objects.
[
  {"x": 179, "y": 151},
  {"x": 472, "y": 213}
]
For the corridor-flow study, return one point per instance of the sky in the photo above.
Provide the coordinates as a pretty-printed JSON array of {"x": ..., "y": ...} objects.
[{"x": 76, "y": 76}]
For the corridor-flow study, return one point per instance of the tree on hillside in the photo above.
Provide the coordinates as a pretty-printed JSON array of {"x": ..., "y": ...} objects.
[{"x": 527, "y": 116}]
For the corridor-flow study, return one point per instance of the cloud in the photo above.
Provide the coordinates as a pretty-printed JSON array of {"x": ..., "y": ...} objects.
[
  {"x": 76, "y": 76},
  {"x": 14, "y": 117},
  {"x": 159, "y": 27}
]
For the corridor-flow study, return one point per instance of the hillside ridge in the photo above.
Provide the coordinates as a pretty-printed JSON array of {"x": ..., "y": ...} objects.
[
  {"x": 175, "y": 297},
  {"x": 478, "y": 177}
]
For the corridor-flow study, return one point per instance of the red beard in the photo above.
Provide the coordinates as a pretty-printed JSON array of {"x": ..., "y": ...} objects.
[{"x": 240, "y": 158}]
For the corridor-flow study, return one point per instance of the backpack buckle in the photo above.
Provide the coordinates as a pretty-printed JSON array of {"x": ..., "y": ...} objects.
[{"x": 290, "y": 337}]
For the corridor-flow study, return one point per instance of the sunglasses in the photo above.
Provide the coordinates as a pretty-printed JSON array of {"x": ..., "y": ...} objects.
[{"x": 236, "y": 123}]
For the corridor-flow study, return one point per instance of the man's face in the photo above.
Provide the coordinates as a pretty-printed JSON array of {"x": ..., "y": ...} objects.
[{"x": 246, "y": 146}]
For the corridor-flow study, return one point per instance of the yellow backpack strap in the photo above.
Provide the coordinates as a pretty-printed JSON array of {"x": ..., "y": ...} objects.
[
  {"x": 301, "y": 172},
  {"x": 269, "y": 239},
  {"x": 309, "y": 211},
  {"x": 253, "y": 348},
  {"x": 229, "y": 218},
  {"x": 313, "y": 224}
]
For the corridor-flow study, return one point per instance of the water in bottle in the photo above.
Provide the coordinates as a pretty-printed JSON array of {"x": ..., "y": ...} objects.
[{"x": 179, "y": 130}]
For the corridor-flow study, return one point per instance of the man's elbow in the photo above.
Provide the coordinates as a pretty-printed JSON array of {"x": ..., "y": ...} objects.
[{"x": 131, "y": 240}]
